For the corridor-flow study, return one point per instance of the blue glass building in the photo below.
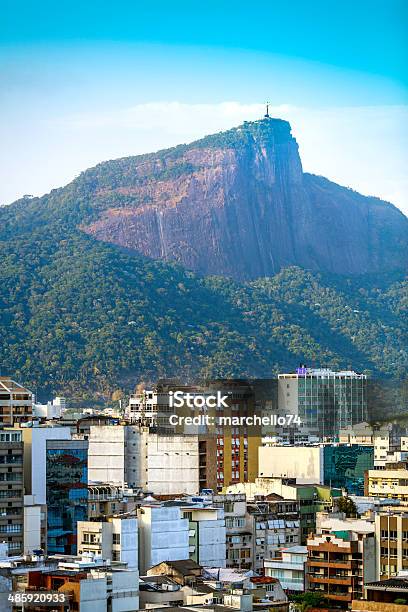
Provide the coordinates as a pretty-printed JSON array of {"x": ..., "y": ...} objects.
[
  {"x": 67, "y": 493},
  {"x": 344, "y": 466}
]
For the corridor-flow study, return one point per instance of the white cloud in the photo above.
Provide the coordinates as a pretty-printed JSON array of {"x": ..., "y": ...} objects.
[{"x": 361, "y": 147}]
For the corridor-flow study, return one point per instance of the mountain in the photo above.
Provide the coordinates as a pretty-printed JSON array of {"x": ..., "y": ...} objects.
[
  {"x": 239, "y": 204},
  {"x": 97, "y": 291}
]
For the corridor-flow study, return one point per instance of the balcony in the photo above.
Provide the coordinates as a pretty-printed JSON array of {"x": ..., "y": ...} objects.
[
  {"x": 319, "y": 578},
  {"x": 325, "y": 563}
]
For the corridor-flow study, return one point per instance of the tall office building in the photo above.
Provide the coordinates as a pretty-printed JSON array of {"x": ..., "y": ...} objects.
[
  {"x": 11, "y": 490},
  {"x": 325, "y": 401},
  {"x": 15, "y": 402}
]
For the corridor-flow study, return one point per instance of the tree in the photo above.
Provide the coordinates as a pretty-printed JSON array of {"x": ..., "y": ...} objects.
[{"x": 347, "y": 505}]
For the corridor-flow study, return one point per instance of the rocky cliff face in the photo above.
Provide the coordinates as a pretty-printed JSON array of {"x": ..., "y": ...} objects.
[{"x": 238, "y": 204}]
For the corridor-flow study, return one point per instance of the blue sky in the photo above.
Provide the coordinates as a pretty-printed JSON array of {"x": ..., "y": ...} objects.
[{"x": 88, "y": 81}]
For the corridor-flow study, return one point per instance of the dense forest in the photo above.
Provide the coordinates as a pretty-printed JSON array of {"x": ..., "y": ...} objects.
[{"x": 79, "y": 316}]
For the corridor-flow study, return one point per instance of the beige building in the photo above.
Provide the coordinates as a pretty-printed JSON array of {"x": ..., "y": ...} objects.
[
  {"x": 390, "y": 482},
  {"x": 359, "y": 433},
  {"x": 115, "y": 539},
  {"x": 15, "y": 402},
  {"x": 391, "y": 530}
]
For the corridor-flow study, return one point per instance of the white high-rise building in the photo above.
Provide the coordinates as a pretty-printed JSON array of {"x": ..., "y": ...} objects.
[
  {"x": 129, "y": 455},
  {"x": 163, "y": 535}
]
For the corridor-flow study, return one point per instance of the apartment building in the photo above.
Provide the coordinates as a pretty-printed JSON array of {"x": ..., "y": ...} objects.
[
  {"x": 230, "y": 453},
  {"x": 207, "y": 535},
  {"x": 288, "y": 566},
  {"x": 340, "y": 561},
  {"x": 358, "y": 433},
  {"x": 312, "y": 498},
  {"x": 239, "y": 538},
  {"x": 105, "y": 499},
  {"x": 390, "y": 444},
  {"x": 274, "y": 523},
  {"x": 11, "y": 490},
  {"x": 392, "y": 481},
  {"x": 15, "y": 402},
  {"x": 391, "y": 530},
  {"x": 115, "y": 539},
  {"x": 163, "y": 535}
]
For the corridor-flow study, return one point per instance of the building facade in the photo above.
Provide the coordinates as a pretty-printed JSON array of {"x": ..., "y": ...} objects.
[
  {"x": 339, "y": 564},
  {"x": 11, "y": 490},
  {"x": 391, "y": 530},
  {"x": 114, "y": 539},
  {"x": 392, "y": 482},
  {"x": 207, "y": 535},
  {"x": 135, "y": 457},
  {"x": 289, "y": 568},
  {"x": 325, "y": 401},
  {"x": 163, "y": 535},
  {"x": 67, "y": 493},
  {"x": 15, "y": 402}
]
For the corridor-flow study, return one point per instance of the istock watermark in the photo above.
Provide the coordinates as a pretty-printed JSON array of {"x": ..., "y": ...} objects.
[{"x": 254, "y": 420}]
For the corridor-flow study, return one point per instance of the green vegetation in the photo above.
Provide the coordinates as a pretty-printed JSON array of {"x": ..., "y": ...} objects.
[
  {"x": 347, "y": 505},
  {"x": 307, "y": 601},
  {"x": 79, "y": 316}
]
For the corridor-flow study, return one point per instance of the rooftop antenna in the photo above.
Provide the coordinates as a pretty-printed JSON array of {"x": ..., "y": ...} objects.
[{"x": 267, "y": 116}]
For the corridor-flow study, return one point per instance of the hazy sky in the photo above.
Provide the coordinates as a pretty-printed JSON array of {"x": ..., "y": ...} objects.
[{"x": 82, "y": 82}]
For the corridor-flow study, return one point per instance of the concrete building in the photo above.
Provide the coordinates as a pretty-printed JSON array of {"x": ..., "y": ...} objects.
[
  {"x": 288, "y": 568},
  {"x": 163, "y": 535},
  {"x": 238, "y": 530},
  {"x": 391, "y": 482},
  {"x": 231, "y": 455},
  {"x": 115, "y": 539},
  {"x": 390, "y": 444},
  {"x": 15, "y": 403},
  {"x": 391, "y": 530},
  {"x": 274, "y": 523},
  {"x": 11, "y": 490},
  {"x": 359, "y": 433},
  {"x": 35, "y": 526},
  {"x": 105, "y": 500},
  {"x": 341, "y": 560},
  {"x": 131, "y": 456},
  {"x": 324, "y": 401},
  {"x": 207, "y": 535},
  {"x": 89, "y": 584}
]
